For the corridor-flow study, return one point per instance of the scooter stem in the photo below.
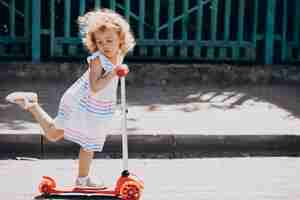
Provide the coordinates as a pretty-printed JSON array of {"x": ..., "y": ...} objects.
[{"x": 124, "y": 125}]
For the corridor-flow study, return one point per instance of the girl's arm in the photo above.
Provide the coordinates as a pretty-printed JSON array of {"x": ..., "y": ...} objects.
[{"x": 97, "y": 80}]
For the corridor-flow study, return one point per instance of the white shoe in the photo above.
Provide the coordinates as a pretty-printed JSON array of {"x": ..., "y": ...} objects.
[
  {"x": 87, "y": 182},
  {"x": 24, "y": 99}
]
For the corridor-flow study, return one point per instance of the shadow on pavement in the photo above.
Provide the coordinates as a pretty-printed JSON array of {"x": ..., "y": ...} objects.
[
  {"x": 286, "y": 97},
  {"x": 187, "y": 98}
]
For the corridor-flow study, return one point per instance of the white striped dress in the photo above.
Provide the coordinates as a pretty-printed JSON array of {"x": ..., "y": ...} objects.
[{"x": 86, "y": 118}]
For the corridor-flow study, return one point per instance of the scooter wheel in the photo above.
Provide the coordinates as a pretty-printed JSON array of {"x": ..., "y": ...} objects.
[
  {"x": 47, "y": 185},
  {"x": 130, "y": 191}
]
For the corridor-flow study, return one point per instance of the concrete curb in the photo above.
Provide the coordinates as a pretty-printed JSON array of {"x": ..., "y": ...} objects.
[{"x": 157, "y": 146}]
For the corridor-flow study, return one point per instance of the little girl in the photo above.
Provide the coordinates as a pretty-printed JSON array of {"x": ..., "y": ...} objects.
[{"x": 87, "y": 107}]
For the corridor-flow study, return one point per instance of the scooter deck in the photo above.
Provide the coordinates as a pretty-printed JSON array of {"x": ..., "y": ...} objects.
[
  {"x": 76, "y": 196},
  {"x": 49, "y": 190},
  {"x": 80, "y": 193},
  {"x": 76, "y": 189}
]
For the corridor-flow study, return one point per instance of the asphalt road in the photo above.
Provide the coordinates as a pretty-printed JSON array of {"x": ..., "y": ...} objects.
[{"x": 272, "y": 178}]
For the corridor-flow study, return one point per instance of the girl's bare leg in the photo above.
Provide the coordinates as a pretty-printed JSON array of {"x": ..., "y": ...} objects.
[
  {"x": 85, "y": 161},
  {"x": 51, "y": 132},
  {"x": 54, "y": 134},
  {"x": 46, "y": 122}
]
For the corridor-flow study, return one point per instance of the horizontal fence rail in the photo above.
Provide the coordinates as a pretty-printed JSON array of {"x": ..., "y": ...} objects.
[{"x": 201, "y": 30}]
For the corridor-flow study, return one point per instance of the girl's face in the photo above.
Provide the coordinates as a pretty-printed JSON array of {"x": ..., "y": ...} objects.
[{"x": 108, "y": 42}]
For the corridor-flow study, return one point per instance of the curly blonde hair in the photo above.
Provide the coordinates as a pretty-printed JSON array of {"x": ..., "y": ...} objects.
[{"x": 99, "y": 20}]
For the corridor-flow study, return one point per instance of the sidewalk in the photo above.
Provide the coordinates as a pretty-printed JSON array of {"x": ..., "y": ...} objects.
[
  {"x": 275, "y": 178},
  {"x": 199, "y": 120}
]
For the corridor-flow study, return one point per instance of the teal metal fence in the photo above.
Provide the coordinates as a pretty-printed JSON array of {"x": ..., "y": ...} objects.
[
  {"x": 202, "y": 30},
  {"x": 168, "y": 29},
  {"x": 287, "y": 33},
  {"x": 15, "y": 23}
]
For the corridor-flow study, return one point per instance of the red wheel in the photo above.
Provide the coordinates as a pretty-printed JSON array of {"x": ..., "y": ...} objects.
[
  {"x": 130, "y": 190},
  {"x": 47, "y": 185}
]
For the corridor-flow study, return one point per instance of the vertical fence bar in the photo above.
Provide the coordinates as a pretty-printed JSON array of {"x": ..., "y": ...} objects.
[
  {"x": 241, "y": 24},
  {"x": 241, "y": 15},
  {"x": 296, "y": 25},
  {"x": 67, "y": 18},
  {"x": 97, "y": 4},
  {"x": 199, "y": 24},
  {"x": 213, "y": 27},
  {"x": 12, "y": 18},
  {"x": 26, "y": 25},
  {"x": 156, "y": 49},
  {"x": 112, "y": 4},
  {"x": 26, "y": 18},
  {"x": 36, "y": 31},
  {"x": 254, "y": 32},
  {"x": 143, "y": 50},
  {"x": 284, "y": 33},
  {"x": 227, "y": 14},
  {"x": 127, "y": 15},
  {"x": 184, "y": 37},
  {"x": 269, "y": 35},
  {"x": 67, "y": 21},
  {"x": 127, "y": 10},
  {"x": 81, "y": 7},
  {"x": 52, "y": 27},
  {"x": 171, "y": 9},
  {"x": 81, "y": 13}
]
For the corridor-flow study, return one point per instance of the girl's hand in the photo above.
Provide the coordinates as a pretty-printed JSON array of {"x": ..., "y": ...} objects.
[{"x": 95, "y": 66}]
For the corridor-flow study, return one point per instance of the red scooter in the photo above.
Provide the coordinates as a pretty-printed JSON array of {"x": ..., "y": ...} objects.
[{"x": 128, "y": 186}]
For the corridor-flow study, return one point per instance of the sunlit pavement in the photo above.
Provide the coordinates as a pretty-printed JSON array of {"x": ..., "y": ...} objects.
[
  {"x": 251, "y": 178},
  {"x": 185, "y": 109}
]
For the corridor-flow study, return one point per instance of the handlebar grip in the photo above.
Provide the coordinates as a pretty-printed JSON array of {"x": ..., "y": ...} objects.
[{"x": 122, "y": 70}]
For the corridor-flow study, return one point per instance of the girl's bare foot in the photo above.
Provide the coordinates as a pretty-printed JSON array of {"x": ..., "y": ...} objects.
[{"x": 24, "y": 99}]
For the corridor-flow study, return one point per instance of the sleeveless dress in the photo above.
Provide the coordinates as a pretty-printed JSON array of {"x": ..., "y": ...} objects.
[{"x": 86, "y": 117}]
